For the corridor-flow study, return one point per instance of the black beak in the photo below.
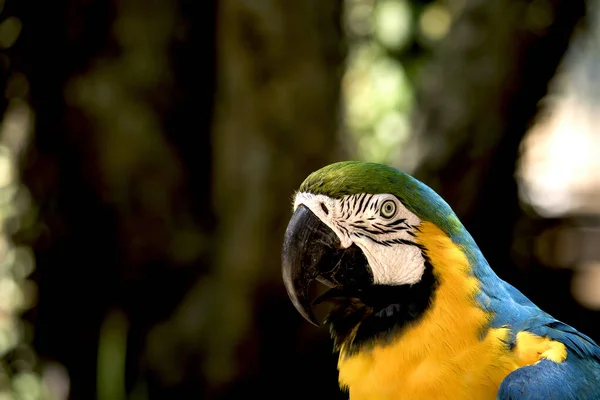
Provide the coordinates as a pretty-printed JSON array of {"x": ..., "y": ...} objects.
[{"x": 312, "y": 251}]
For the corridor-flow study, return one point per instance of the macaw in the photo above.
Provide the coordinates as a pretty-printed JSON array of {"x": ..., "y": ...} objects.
[{"x": 417, "y": 311}]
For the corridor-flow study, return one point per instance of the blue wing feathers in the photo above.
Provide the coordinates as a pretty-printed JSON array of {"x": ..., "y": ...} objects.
[
  {"x": 574, "y": 379},
  {"x": 523, "y": 315},
  {"x": 513, "y": 309},
  {"x": 580, "y": 344},
  {"x": 577, "y": 378}
]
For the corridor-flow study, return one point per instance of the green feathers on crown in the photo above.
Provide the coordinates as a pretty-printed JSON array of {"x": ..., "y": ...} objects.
[{"x": 354, "y": 177}]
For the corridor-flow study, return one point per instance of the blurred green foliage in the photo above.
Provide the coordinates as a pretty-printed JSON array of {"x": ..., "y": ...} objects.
[
  {"x": 388, "y": 40},
  {"x": 20, "y": 372}
]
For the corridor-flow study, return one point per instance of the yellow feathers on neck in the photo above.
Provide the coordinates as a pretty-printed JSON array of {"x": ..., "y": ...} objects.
[{"x": 442, "y": 355}]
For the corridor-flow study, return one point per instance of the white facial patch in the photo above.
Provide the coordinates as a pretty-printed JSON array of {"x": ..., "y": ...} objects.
[{"x": 380, "y": 226}]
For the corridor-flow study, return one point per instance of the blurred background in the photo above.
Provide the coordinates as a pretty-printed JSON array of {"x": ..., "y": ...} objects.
[{"x": 149, "y": 151}]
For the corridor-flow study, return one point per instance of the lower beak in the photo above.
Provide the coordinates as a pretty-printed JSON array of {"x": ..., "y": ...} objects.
[{"x": 312, "y": 251}]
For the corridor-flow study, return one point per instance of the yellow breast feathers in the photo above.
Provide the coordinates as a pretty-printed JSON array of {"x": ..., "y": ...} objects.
[{"x": 442, "y": 356}]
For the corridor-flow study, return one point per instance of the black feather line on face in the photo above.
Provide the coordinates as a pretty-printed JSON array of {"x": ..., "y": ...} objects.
[
  {"x": 374, "y": 232},
  {"x": 382, "y": 229},
  {"x": 360, "y": 204},
  {"x": 372, "y": 205},
  {"x": 370, "y": 196},
  {"x": 342, "y": 227},
  {"x": 351, "y": 204},
  {"x": 396, "y": 222},
  {"x": 376, "y": 204},
  {"x": 389, "y": 242},
  {"x": 378, "y": 314},
  {"x": 355, "y": 204},
  {"x": 324, "y": 208},
  {"x": 358, "y": 224}
]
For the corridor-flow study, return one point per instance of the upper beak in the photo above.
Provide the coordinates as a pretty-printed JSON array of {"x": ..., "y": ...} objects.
[{"x": 311, "y": 251}]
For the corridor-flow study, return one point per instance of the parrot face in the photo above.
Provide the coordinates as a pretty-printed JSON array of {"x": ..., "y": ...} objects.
[
  {"x": 353, "y": 235},
  {"x": 380, "y": 225},
  {"x": 367, "y": 237}
]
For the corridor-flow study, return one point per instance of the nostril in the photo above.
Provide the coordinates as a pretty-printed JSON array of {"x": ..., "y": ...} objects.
[{"x": 325, "y": 209}]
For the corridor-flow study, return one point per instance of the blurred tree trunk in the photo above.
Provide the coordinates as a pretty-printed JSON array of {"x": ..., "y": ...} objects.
[
  {"x": 276, "y": 119},
  {"x": 76, "y": 262},
  {"x": 476, "y": 100},
  {"x": 119, "y": 153}
]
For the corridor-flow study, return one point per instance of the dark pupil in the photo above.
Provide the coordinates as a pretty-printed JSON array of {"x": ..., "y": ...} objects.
[{"x": 388, "y": 208}]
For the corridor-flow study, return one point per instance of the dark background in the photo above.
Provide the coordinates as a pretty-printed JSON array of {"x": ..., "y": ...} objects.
[{"x": 150, "y": 149}]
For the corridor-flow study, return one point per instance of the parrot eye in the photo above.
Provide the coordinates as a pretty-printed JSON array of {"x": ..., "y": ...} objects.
[{"x": 388, "y": 209}]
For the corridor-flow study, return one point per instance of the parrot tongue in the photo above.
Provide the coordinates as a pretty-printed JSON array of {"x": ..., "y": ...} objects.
[{"x": 333, "y": 293}]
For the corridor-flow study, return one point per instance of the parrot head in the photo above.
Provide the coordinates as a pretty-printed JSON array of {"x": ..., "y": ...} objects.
[{"x": 355, "y": 228}]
